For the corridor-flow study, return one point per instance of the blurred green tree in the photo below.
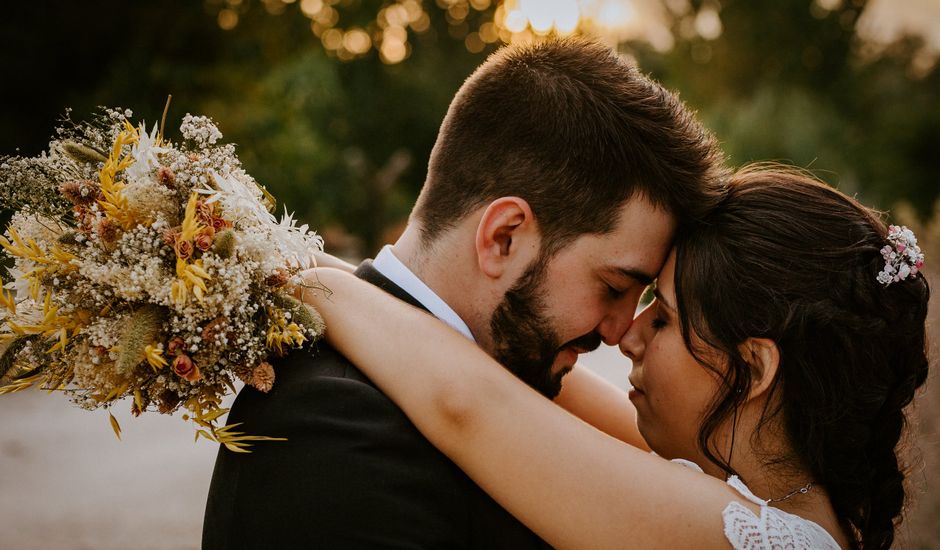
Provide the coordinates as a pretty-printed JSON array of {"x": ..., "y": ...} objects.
[
  {"x": 790, "y": 81},
  {"x": 344, "y": 138}
]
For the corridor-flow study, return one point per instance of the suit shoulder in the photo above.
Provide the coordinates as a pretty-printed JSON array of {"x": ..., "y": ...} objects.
[{"x": 317, "y": 386}]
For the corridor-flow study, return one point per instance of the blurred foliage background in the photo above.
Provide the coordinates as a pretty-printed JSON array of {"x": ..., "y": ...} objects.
[{"x": 335, "y": 104}]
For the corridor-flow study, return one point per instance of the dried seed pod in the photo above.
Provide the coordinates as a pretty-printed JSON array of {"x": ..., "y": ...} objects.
[
  {"x": 80, "y": 192},
  {"x": 142, "y": 328},
  {"x": 80, "y": 152},
  {"x": 224, "y": 245}
]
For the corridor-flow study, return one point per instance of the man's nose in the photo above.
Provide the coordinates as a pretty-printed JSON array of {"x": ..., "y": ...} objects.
[{"x": 615, "y": 325}]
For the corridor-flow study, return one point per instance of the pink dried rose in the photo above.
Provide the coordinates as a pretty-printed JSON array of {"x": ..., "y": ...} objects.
[
  {"x": 220, "y": 224},
  {"x": 184, "y": 367},
  {"x": 170, "y": 236},
  {"x": 204, "y": 212},
  {"x": 183, "y": 249},
  {"x": 176, "y": 346},
  {"x": 166, "y": 177},
  {"x": 203, "y": 241}
]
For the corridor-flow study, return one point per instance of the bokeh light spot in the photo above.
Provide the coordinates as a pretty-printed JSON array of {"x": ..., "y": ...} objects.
[
  {"x": 708, "y": 24},
  {"x": 474, "y": 43},
  {"x": 357, "y": 41},
  {"x": 228, "y": 19},
  {"x": 311, "y": 7}
]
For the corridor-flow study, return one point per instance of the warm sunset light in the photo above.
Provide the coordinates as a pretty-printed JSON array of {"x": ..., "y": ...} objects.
[
  {"x": 563, "y": 17},
  {"x": 481, "y": 22}
]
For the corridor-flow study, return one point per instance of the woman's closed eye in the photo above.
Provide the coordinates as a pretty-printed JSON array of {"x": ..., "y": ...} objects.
[{"x": 659, "y": 320}]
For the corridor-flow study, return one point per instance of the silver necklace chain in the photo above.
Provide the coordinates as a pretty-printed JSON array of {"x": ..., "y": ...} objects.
[{"x": 801, "y": 491}]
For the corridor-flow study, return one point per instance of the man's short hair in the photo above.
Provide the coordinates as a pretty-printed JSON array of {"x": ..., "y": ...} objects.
[{"x": 575, "y": 130}]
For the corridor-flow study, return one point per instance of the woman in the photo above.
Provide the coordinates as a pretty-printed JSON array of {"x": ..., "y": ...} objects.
[{"x": 786, "y": 338}]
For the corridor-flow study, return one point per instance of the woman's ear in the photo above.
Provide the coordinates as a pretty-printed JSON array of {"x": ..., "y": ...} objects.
[
  {"x": 763, "y": 357},
  {"x": 507, "y": 236}
]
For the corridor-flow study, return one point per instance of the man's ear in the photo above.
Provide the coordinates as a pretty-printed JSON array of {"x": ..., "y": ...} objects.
[
  {"x": 763, "y": 357},
  {"x": 507, "y": 233}
]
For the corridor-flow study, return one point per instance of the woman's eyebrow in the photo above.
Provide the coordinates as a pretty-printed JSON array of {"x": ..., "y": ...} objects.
[{"x": 663, "y": 301}]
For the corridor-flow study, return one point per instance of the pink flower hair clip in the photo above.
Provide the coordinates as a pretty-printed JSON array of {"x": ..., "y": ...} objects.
[{"x": 902, "y": 256}]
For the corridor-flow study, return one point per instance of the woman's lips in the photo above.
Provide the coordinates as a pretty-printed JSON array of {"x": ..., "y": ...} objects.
[{"x": 635, "y": 391}]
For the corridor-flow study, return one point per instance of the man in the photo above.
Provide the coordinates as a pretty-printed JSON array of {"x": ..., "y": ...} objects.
[{"x": 558, "y": 180}]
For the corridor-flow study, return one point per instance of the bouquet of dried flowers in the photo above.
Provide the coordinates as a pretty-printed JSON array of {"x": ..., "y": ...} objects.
[{"x": 147, "y": 268}]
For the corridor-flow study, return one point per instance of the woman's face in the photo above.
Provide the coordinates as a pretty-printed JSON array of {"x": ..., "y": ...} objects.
[{"x": 671, "y": 390}]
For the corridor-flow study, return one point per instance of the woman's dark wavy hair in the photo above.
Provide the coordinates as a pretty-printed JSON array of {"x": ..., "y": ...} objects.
[{"x": 788, "y": 258}]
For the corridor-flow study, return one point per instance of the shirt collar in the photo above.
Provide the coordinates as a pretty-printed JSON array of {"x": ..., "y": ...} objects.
[{"x": 391, "y": 267}]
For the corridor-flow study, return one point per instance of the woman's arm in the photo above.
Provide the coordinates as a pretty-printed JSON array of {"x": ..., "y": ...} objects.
[
  {"x": 600, "y": 404},
  {"x": 569, "y": 482},
  {"x": 328, "y": 260}
]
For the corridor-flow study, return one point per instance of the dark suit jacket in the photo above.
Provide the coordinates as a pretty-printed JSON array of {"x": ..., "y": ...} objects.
[{"x": 353, "y": 473}]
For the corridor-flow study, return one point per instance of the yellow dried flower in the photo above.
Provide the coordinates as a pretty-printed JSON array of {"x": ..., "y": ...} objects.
[
  {"x": 7, "y": 300},
  {"x": 154, "y": 357},
  {"x": 281, "y": 334},
  {"x": 300, "y": 312},
  {"x": 190, "y": 278},
  {"x": 52, "y": 325},
  {"x": 191, "y": 224},
  {"x": 112, "y": 201}
]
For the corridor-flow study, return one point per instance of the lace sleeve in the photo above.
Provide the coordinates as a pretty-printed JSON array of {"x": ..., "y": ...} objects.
[{"x": 773, "y": 530}]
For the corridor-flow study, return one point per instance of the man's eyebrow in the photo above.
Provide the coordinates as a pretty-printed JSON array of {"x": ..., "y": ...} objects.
[
  {"x": 635, "y": 274},
  {"x": 659, "y": 296}
]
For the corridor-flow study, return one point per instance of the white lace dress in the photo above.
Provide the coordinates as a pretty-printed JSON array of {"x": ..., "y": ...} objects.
[{"x": 773, "y": 529}]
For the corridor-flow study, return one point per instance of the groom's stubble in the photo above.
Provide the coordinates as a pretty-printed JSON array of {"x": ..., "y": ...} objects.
[{"x": 524, "y": 340}]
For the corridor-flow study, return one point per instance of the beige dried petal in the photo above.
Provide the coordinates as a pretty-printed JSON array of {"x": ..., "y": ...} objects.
[{"x": 262, "y": 377}]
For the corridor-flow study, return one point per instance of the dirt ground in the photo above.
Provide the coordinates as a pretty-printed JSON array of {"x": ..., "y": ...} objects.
[{"x": 66, "y": 482}]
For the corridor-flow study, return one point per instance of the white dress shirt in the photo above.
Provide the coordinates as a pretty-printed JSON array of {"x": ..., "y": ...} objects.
[{"x": 391, "y": 267}]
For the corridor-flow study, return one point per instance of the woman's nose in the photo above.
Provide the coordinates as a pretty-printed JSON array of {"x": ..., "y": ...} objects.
[{"x": 633, "y": 343}]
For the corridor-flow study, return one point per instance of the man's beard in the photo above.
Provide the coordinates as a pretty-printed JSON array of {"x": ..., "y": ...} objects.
[{"x": 524, "y": 340}]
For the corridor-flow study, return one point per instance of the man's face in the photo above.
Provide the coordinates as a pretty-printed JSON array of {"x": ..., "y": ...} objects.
[{"x": 586, "y": 293}]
